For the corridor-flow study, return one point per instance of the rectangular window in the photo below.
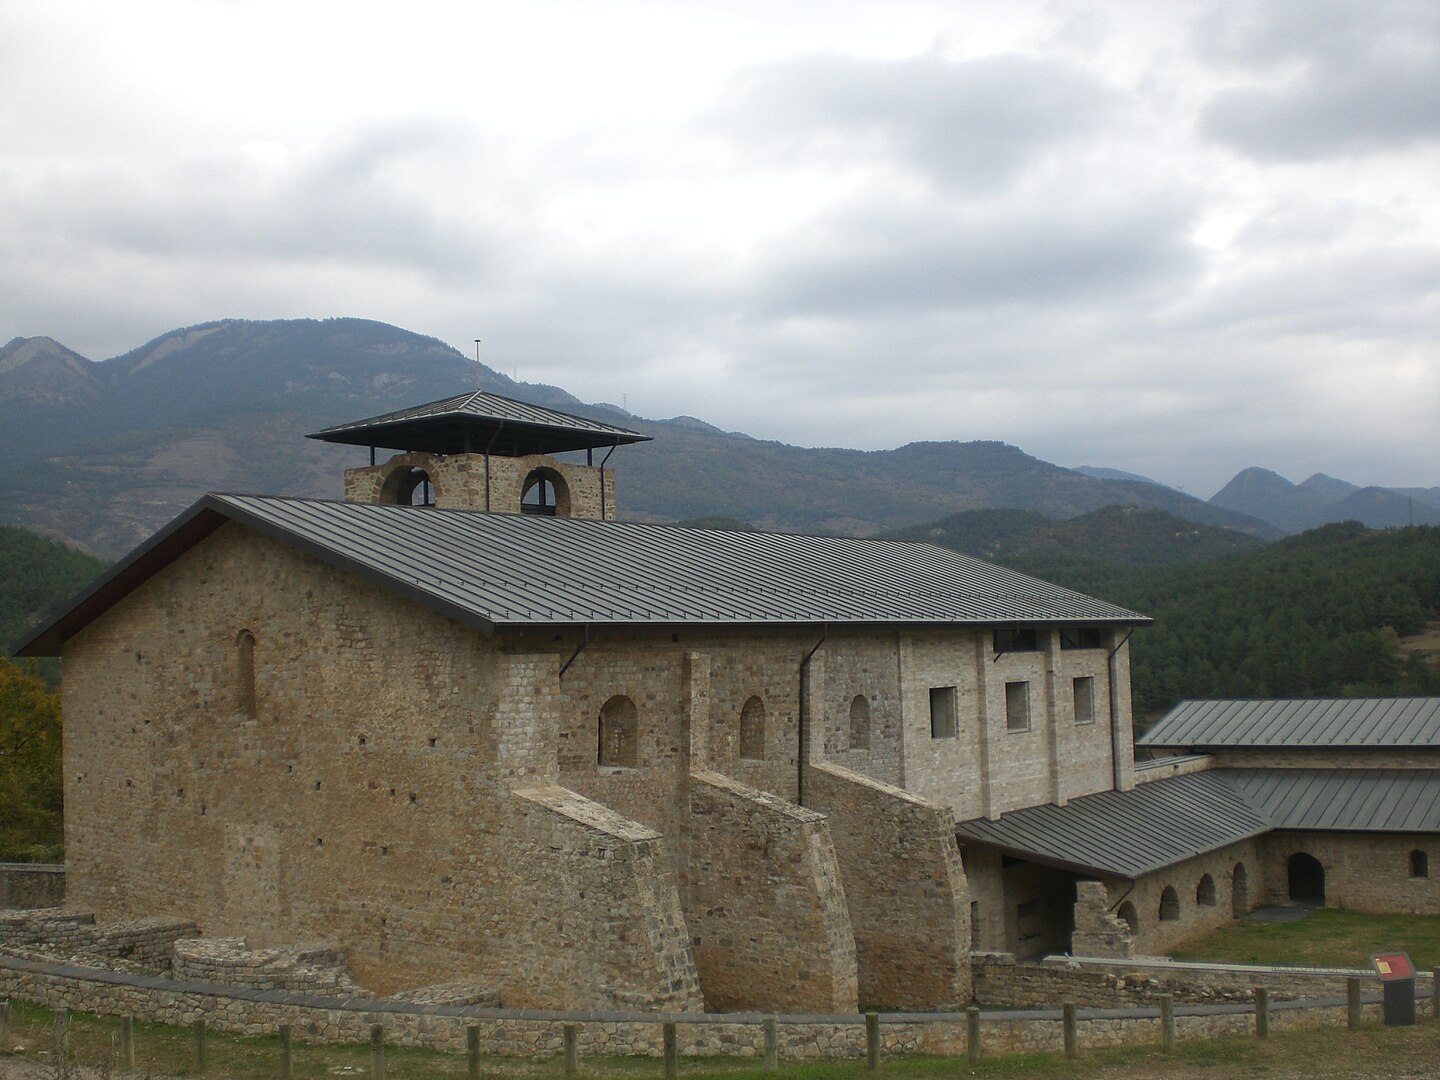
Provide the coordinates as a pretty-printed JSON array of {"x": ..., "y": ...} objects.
[
  {"x": 1080, "y": 637},
  {"x": 1084, "y": 700},
  {"x": 942, "y": 712},
  {"x": 1017, "y": 706},
  {"x": 1023, "y": 639}
]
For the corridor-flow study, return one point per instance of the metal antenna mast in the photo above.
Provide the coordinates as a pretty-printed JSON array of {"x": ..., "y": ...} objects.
[{"x": 479, "y": 371}]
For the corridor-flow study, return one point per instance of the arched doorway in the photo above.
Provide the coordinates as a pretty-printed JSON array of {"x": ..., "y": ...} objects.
[
  {"x": 1129, "y": 916},
  {"x": 1307, "y": 878}
]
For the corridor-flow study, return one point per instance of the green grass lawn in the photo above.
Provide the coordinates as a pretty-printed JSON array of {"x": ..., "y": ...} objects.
[{"x": 1328, "y": 938}]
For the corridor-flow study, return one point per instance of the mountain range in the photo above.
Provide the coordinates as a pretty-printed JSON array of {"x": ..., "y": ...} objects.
[{"x": 102, "y": 453}]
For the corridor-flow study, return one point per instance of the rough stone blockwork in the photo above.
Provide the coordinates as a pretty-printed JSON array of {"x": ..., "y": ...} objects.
[
  {"x": 905, "y": 889},
  {"x": 603, "y": 925},
  {"x": 148, "y": 942},
  {"x": 1098, "y": 932},
  {"x": 31, "y": 885},
  {"x": 766, "y": 905},
  {"x": 319, "y": 970}
]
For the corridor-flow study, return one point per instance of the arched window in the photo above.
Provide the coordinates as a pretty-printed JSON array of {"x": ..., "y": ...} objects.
[
  {"x": 1169, "y": 904},
  {"x": 1205, "y": 891},
  {"x": 1129, "y": 916},
  {"x": 752, "y": 730},
  {"x": 544, "y": 493},
  {"x": 408, "y": 486},
  {"x": 619, "y": 733},
  {"x": 1419, "y": 863},
  {"x": 245, "y": 672},
  {"x": 1239, "y": 891},
  {"x": 860, "y": 722}
]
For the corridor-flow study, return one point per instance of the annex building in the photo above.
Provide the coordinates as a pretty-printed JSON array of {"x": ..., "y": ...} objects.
[{"x": 467, "y": 726}]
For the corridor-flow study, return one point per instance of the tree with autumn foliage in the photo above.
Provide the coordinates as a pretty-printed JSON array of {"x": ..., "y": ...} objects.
[{"x": 31, "y": 791}]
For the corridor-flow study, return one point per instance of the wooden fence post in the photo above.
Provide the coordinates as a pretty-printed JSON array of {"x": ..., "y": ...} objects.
[
  {"x": 671, "y": 1051},
  {"x": 199, "y": 1028},
  {"x": 1262, "y": 1013},
  {"x": 472, "y": 1052},
  {"x": 377, "y": 1052},
  {"x": 4, "y": 1021},
  {"x": 1435, "y": 993},
  {"x": 572, "y": 1052},
  {"x": 972, "y": 1033},
  {"x": 62, "y": 1033},
  {"x": 127, "y": 1043},
  {"x": 1167, "y": 1022},
  {"x": 287, "y": 1058},
  {"x": 1352, "y": 1002},
  {"x": 1067, "y": 1021},
  {"x": 872, "y": 1041},
  {"x": 772, "y": 1044}
]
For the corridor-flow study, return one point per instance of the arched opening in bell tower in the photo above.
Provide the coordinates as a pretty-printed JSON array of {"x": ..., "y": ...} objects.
[{"x": 545, "y": 494}]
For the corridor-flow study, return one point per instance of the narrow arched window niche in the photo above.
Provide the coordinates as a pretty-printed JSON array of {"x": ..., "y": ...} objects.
[
  {"x": 245, "y": 673},
  {"x": 859, "y": 722},
  {"x": 1419, "y": 864},
  {"x": 619, "y": 735},
  {"x": 752, "y": 730},
  {"x": 1129, "y": 916},
  {"x": 1169, "y": 904},
  {"x": 1205, "y": 891}
]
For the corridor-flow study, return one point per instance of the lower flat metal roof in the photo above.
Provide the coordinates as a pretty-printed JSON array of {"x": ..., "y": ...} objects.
[{"x": 1128, "y": 834}]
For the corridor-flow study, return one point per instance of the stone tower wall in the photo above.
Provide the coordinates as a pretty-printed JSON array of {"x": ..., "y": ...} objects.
[{"x": 478, "y": 482}]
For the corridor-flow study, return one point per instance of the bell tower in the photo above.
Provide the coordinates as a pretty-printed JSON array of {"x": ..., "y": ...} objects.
[{"x": 481, "y": 451}]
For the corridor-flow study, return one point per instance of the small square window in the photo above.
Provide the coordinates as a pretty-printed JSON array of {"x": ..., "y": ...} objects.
[
  {"x": 942, "y": 712},
  {"x": 1084, "y": 700},
  {"x": 1017, "y": 706}
]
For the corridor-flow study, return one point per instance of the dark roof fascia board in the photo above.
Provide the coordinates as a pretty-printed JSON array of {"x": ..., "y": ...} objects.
[
  {"x": 1046, "y": 860},
  {"x": 183, "y": 533}
]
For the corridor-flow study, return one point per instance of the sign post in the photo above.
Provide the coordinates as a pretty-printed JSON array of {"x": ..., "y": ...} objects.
[{"x": 1397, "y": 975}]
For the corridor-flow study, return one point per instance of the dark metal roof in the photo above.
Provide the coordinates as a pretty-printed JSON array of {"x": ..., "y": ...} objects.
[
  {"x": 1126, "y": 833},
  {"x": 480, "y": 423},
  {"x": 1364, "y": 800},
  {"x": 1321, "y": 722},
  {"x": 513, "y": 569}
]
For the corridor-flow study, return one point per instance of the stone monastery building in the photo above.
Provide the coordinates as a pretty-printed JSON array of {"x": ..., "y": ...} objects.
[{"x": 468, "y": 726}]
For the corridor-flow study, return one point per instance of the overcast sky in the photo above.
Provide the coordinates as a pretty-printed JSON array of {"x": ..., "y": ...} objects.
[{"x": 1178, "y": 239}]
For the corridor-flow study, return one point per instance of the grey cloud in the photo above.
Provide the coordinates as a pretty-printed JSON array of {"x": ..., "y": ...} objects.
[
  {"x": 873, "y": 263},
  {"x": 1340, "y": 78},
  {"x": 348, "y": 200},
  {"x": 973, "y": 125}
]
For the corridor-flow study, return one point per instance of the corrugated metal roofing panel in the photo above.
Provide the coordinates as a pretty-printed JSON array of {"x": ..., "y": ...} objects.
[
  {"x": 1319, "y": 722},
  {"x": 1347, "y": 800},
  {"x": 514, "y": 569},
  {"x": 1127, "y": 833},
  {"x": 439, "y": 426}
]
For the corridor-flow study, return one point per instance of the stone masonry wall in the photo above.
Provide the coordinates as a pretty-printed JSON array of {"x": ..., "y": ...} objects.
[
  {"x": 1154, "y": 935},
  {"x": 904, "y": 887},
  {"x": 148, "y": 942},
  {"x": 1363, "y": 871},
  {"x": 767, "y": 908},
  {"x": 362, "y": 797},
  {"x": 459, "y": 481},
  {"x": 606, "y": 909},
  {"x": 986, "y": 768},
  {"x": 31, "y": 885}
]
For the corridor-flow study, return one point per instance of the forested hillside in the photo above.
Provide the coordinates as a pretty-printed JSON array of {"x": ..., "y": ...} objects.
[
  {"x": 36, "y": 574},
  {"x": 1339, "y": 611}
]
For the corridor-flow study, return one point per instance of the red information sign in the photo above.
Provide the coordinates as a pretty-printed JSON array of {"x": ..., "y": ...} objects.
[{"x": 1393, "y": 966}]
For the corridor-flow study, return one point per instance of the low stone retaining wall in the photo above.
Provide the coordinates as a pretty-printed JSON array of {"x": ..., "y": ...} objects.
[
  {"x": 318, "y": 970},
  {"x": 32, "y": 885},
  {"x": 512, "y": 1032},
  {"x": 149, "y": 942}
]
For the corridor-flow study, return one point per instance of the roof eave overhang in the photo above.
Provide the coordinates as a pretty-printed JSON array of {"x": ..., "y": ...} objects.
[
  {"x": 418, "y": 435},
  {"x": 183, "y": 533}
]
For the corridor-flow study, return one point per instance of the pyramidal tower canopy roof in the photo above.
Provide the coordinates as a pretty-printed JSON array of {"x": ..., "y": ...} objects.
[{"x": 480, "y": 423}]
